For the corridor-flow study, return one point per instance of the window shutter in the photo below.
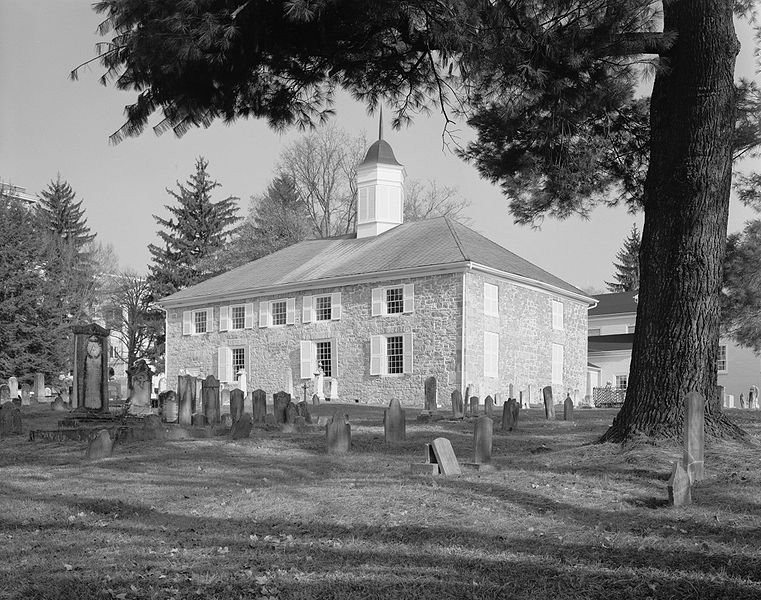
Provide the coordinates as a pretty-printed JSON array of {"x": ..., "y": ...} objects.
[
  {"x": 335, "y": 306},
  {"x": 407, "y": 352},
  {"x": 290, "y": 311},
  {"x": 224, "y": 318},
  {"x": 409, "y": 298},
  {"x": 377, "y": 302},
  {"x": 333, "y": 356},
  {"x": 249, "y": 312},
  {"x": 187, "y": 322},
  {"x": 306, "y": 312},
  {"x": 377, "y": 354},
  {"x": 305, "y": 359},
  {"x": 225, "y": 364},
  {"x": 209, "y": 320},
  {"x": 557, "y": 314},
  {"x": 264, "y": 313}
]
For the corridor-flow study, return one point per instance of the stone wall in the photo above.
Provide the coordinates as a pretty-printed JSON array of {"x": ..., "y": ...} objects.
[
  {"x": 526, "y": 336},
  {"x": 436, "y": 325}
]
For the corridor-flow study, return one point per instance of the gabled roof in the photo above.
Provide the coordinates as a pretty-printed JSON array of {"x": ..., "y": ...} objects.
[
  {"x": 620, "y": 303},
  {"x": 430, "y": 244},
  {"x": 610, "y": 343}
]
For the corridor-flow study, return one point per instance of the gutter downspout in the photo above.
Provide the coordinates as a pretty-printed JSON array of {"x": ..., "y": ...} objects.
[{"x": 463, "y": 341}]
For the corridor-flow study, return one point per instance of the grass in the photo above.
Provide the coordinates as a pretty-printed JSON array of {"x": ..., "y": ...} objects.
[{"x": 274, "y": 516}]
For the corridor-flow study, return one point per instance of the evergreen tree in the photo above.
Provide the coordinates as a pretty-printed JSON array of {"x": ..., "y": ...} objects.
[
  {"x": 61, "y": 218},
  {"x": 627, "y": 267},
  {"x": 197, "y": 230}
]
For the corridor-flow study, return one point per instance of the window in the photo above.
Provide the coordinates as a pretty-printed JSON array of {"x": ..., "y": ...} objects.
[
  {"x": 238, "y": 317},
  {"x": 229, "y": 362},
  {"x": 557, "y": 314},
  {"x": 238, "y": 361},
  {"x": 322, "y": 308},
  {"x": 393, "y": 300},
  {"x": 316, "y": 353},
  {"x": 391, "y": 354},
  {"x": 721, "y": 363},
  {"x": 491, "y": 354},
  {"x": 557, "y": 363},
  {"x": 594, "y": 331},
  {"x": 622, "y": 381},
  {"x": 197, "y": 321},
  {"x": 491, "y": 300},
  {"x": 277, "y": 312},
  {"x": 325, "y": 358}
]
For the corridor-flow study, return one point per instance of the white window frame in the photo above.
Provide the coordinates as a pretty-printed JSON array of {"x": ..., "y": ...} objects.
[
  {"x": 379, "y": 304},
  {"x": 557, "y": 315},
  {"x": 491, "y": 354},
  {"x": 558, "y": 360},
  {"x": 226, "y": 317},
  {"x": 189, "y": 321},
  {"x": 719, "y": 360},
  {"x": 491, "y": 299},
  {"x": 265, "y": 312},
  {"x": 622, "y": 377},
  {"x": 308, "y": 307},
  {"x": 379, "y": 357},
  {"x": 232, "y": 361},
  {"x": 308, "y": 357}
]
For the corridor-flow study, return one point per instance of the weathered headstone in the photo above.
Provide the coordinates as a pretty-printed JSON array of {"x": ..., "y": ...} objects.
[
  {"x": 291, "y": 412},
  {"x": 224, "y": 396},
  {"x": 269, "y": 419},
  {"x": 199, "y": 420},
  {"x": 457, "y": 407},
  {"x": 303, "y": 411},
  {"x": 10, "y": 420},
  {"x": 516, "y": 408},
  {"x": 236, "y": 404},
  {"x": 488, "y": 406},
  {"x": 39, "y": 387},
  {"x": 5, "y": 393},
  {"x": 431, "y": 394},
  {"x": 168, "y": 405},
  {"x": 679, "y": 487},
  {"x": 259, "y": 399},
  {"x": 568, "y": 408},
  {"x": 549, "y": 405},
  {"x": 474, "y": 406},
  {"x": 508, "y": 415},
  {"x": 742, "y": 400},
  {"x": 280, "y": 400},
  {"x": 91, "y": 367},
  {"x": 100, "y": 446},
  {"x": 694, "y": 436},
  {"x": 242, "y": 427},
  {"x": 299, "y": 423},
  {"x": 140, "y": 396},
  {"x": 198, "y": 398},
  {"x": 482, "y": 440},
  {"x": 510, "y": 393},
  {"x": 58, "y": 405},
  {"x": 26, "y": 394},
  {"x": 227, "y": 420},
  {"x": 338, "y": 435},
  {"x": 114, "y": 391},
  {"x": 440, "y": 451},
  {"x": 210, "y": 391},
  {"x": 13, "y": 386},
  {"x": 186, "y": 398},
  {"x": 394, "y": 422},
  {"x": 315, "y": 399},
  {"x": 466, "y": 400}
]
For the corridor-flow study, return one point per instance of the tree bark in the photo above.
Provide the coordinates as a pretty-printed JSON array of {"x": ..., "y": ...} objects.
[{"x": 686, "y": 203}]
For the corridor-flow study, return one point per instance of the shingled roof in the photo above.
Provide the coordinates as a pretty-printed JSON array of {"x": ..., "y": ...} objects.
[
  {"x": 620, "y": 303},
  {"x": 433, "y": 243}
]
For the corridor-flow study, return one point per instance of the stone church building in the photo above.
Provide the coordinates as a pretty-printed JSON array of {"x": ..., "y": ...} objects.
[{"x": 379, "y": 311}]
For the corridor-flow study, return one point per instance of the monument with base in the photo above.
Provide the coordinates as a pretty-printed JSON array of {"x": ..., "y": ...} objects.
[{"x": 90, "y": 367}]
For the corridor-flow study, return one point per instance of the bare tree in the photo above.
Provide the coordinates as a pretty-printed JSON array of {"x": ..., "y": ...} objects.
[{"x": 433, "y": 200}]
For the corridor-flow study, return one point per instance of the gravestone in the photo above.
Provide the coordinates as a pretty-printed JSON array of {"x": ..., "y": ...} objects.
[
  {"x": 474, "y": 406},
  {"x": 259, "y": 399},
  {"x": 5, "y": 394},
  {"x": 100, "y": 446},
  {"x": 140, "y": 397},
  {"x": 299, "y": 422},
  {"x": 394, "y": 422},
  {"x": 280, "y": 401},
  {"x": 63, "y": 392},
  {"x": 440, "y": 451},
  {"x": 516, "y": 408},
  {"x": 303, "y": 411},
  {"x": 457, "y": 407},
  {"x": 333, "y": 393},
  {"x": 549, "y": 406},
  {"x": 198, "y": 420},
  {"x": 269, "y": 419},
  {"x": 508, "y": 415},
  {"x": 168, "y": 404},
  {"x": 291, "y": 412},
  {"x": 186, "y": 392},
  {"x": 114, "y": 391},
  {"x": 482, "y": 440},
  {"x": 26, "y": 394},
  {"x": 568, "y": 408},
  {"x": 431, "y": 394},
  {"x": 694, "y": 436},
  {"x": 510, "y": 391},
  {"x": 225, "y": 400},
  {"x": 315, "y": 399},
  {"x": 742, "y": 401},
  {"x": 10, "y": 420},
  {"x": 13, "y": 386},
  {"x": 488, "y": 406},
  {"x": 338, "y": 435},
  {"x": 466, "y": 400},
  {"x": 288, "y": 379},
  {"x": 227, "y": 420},
  {"x": 210, "y": 391},
  {"x": 91, "y": 367},
  {"x": 39, "y": 387},
  {"x": 58, "y": 405},
  {"x": 236, "y": 404},
  {"x": 679, "y": 488},
  {"x": 242, "y": 427},
  {"x": 243, "y": 382}
]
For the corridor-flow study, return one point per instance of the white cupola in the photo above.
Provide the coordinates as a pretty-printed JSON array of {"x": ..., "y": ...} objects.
[{"x": 380, "y": 189}]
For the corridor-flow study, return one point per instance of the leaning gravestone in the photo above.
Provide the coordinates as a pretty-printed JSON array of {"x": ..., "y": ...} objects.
[
  {"x": 26, "y": 394},
  {"x": 242, "y": 427},
  {"x": 100, "y": 446},
  {"x": 338, "y": 435},
  {"x": 482, "y": 440},
  {"x": 508, "y": 415},
  {"x": 474, "y": 406},
  {"x": 488, "y": 406},
  {"x": 679, "y": 488},
  {"x": 394, "y": 422},
  {"x": 549, "y": 406},
  {"x": 280, "y": 400},
  {"x": 259, "y": 399},
  {"x": 457, "y": 407},
  {"x": 236, "y": 404},
  {"x": 431, "y": 392},
  {"x": 13, "y": 386},
  {"x": 186, "y": 392},
  {"x": 5, "y": 394},
  {"x": 440, "y": 451},
  {"x": 10, "y": 420},
  {"x": 210, "y": 392},
  {"x": 694, "y": 432},
  {"x": 568, "y": 408},
  {"x": 140, "y": 396}
]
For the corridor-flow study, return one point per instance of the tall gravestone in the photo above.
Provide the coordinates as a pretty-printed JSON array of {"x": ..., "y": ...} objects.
[
  {"x": 140, "y": 396},
  {"x": 210, "y": 391},
  {"x": 280, "y": 401},
  {"x": 457, "y": 407},
  {"x": 168, "y": 404},
  {"x": 508, "y": 415},
  {"x": 394, "y": 422},
  {"x": 10, "y": 420},
  {"x": 13, "y": 387},
  {"x": 186, "y": 398},
  {"x": 236, "y": 404},
  {"x": 259, "y": 399},
  {"x": 26, "y": 394},
  {"x": 482, "y": 440},
  {"x": 694, "y": 433},
  {"x": 549, "y": 405},
  {"x": 488, "y": 406},
  {"x": 466, "y": 399},
  {"x": 568, "y": 408},
  {"x": 338, "y": 435},
  {"x": 39, "y": 387},
  {"x": 474, "y": 406},
  {"x": 198, "y": 398},
  {"x": 291, "y": 413},
  {"x": 431, "y": 393},
  {"x": 90, "y": 367}
]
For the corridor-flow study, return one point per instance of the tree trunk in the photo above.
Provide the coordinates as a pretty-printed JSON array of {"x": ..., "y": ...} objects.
[{"x": 686, "y": 200}]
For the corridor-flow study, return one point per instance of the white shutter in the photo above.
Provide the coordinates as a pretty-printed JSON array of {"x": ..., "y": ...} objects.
[
  {"x": 290, "y": 311},
  {"x": 333, "y": 356},
  {"x": 225, "y": 364},
  {"x": 335, "y": 306},
  {"x": 377, "y": 354},
  {"x": 557, "y": 314},
  {"x": 187, "y": 322},
  {"x": 264, "y": 313},
  {"x": 305, "y": 359},
  {"x": 249, "y": 312},
  {"x": 209, "y": 320},
  {"x": 377, "y": 302},
  {"x": 409, "y": 298},
  {"x": 407, "y": 352},
  {"x": 306, "y": 312},
  {"x": 224, "y": 318}
]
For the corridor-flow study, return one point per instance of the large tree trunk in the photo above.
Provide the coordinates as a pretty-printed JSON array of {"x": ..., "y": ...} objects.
[{"x": 686, "y": 202}]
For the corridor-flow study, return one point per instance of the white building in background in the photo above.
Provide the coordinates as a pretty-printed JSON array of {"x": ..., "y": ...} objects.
[{"x": 18, "y": 193}]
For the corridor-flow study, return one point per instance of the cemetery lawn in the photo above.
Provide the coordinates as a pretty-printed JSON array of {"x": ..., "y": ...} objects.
[{"x": 274, "y": 516}]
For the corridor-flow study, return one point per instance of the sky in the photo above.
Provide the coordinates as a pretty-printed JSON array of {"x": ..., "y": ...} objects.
[{"x": 50, "y": 124}]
